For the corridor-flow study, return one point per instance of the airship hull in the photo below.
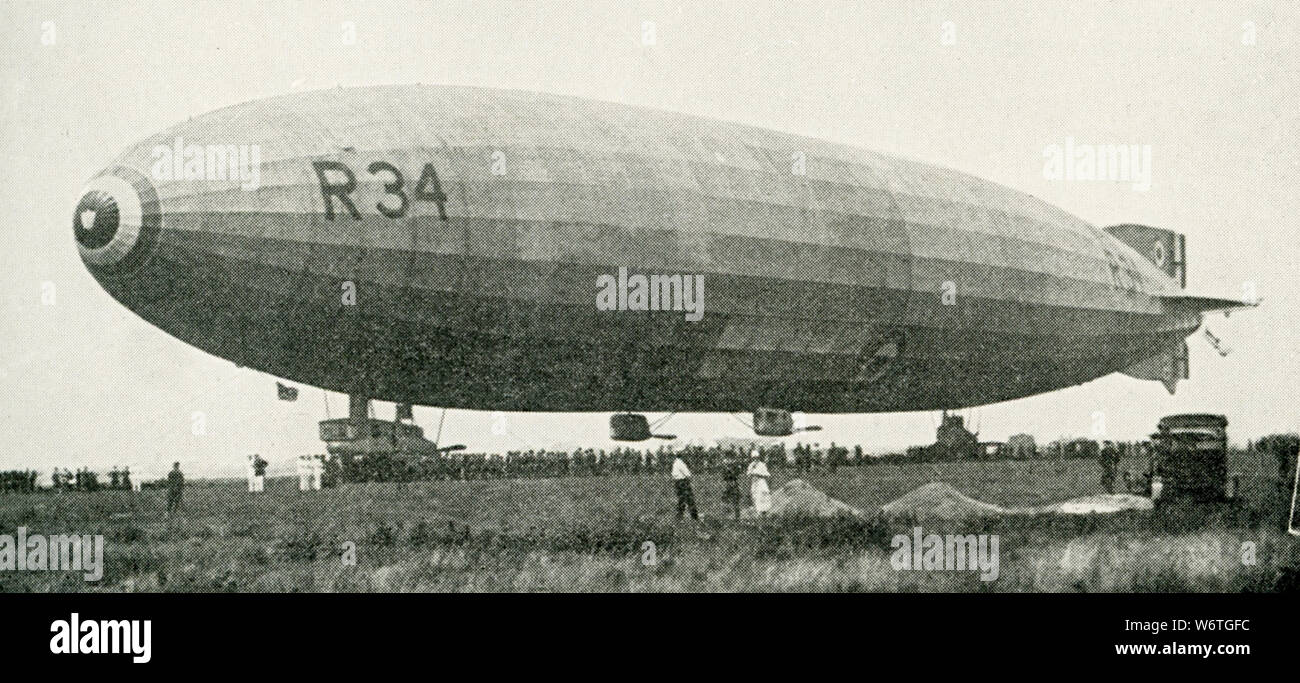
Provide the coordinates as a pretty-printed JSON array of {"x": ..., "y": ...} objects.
[{"x": 834, "y": 279}]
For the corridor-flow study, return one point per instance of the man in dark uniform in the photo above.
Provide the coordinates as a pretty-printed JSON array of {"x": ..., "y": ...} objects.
[
  {"x": 175, "y": 487},
  {"x": 731, "y": 471},
  {"x": 1109, "y": 458},
  {"x": 681, "y": 475}
]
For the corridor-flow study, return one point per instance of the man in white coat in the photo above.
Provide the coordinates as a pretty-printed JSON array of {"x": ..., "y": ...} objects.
[
  {"x": 304, "y": 473},
  {"x": 682, "y": 481},
  {"x": 317, "y": 471},
  {"x": 256, "y": 474},
  {"x": 248, "y": 473},
  {"x": 758, "y": 488}
]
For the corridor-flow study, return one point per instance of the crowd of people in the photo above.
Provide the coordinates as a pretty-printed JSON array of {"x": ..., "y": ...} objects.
[
  {"x": 119, "y": 478},
  {"x": 64, "y": 479},
  {"x": 317, "y": 471},
  {"x": 18, "y": 481},
  {"x": 311, "y": 472},
  {"x": 582, "y": 462}
]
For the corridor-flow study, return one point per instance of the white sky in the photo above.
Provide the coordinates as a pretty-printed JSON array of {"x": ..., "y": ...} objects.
[{"x": 86, "y": 382}]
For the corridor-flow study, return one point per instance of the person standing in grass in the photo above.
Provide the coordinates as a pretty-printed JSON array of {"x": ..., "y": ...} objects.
[
  {"x": 682, "y": 480},
  {"x": 317, "y": 471},
  {"x": 1109, "y": 457},
  {"x": 256, "y": 474},
  {"x": 758, "y": 488},
  {"x": 175, "y": 488},
  {"x": 731, "y": 471}
]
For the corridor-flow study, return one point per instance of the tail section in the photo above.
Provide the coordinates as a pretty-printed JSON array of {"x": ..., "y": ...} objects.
[
  {"x": 1168, "y": 251},
  {"x": 1165, "y": 248}
]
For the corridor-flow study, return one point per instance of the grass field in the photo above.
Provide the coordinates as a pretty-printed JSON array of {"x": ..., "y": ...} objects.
[{"x": 592, "y": 534}]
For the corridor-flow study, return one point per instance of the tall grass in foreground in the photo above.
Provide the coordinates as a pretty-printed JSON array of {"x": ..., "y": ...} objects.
[
  {"x": 618, "y": 534},
  {"x": 1126, "y": 552}
]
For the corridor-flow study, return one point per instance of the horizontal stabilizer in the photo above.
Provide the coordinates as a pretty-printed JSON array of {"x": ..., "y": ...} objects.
[
  {"x": 1166, "y": 367},
  {"x": 1203, "y": 304}
]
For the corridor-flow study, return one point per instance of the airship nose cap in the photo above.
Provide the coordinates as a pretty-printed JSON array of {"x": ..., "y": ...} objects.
[
  {"x": 97, "y": 219},
  {"x": 117, "y": 220}
]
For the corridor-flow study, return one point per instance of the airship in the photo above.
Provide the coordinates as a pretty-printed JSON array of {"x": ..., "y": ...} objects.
[{"x": 494, "y": 249}]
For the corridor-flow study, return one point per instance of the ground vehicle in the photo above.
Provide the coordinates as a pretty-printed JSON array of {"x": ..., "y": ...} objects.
[{"x": 1191, "y": 453}]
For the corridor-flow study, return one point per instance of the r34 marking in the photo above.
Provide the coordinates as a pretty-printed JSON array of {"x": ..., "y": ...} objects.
[{"x": 428, "y": 189}]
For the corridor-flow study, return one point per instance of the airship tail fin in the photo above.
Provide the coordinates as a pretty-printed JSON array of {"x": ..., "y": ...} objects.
[
  {"x": 1165, "y": 248},
  {"x": 1168, "y": 251},
  {"x": 1166, "y": 367}
]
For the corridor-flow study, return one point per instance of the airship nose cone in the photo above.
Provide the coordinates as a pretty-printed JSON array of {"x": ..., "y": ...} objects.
[
  {"x": 96, "y": 220},
  {"x": 116, "y": 221}
]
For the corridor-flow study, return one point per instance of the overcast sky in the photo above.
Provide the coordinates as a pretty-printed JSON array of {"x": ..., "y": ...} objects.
[{"x": 1212, "y": 88}]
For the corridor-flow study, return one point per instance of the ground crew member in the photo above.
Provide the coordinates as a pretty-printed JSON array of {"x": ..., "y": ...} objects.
[
  {"x": 758, "y": 488},
  {"x": 1109, "y": 458},
  {"x": 256, "y": 474},
  {"x": 317, "y": 466},
  {"x": 682, "y": 480},
  {"x": 731, "y": 471},
  {"x": 175, "y": 487}
]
